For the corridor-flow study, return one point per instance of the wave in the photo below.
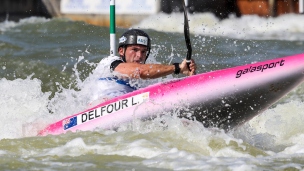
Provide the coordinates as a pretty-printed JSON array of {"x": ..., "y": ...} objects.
[
  {"x": 7, "y": 25},
  {"x": 283, "y": 27}
]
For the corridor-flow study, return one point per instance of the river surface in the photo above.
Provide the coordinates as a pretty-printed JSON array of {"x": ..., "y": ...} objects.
[{"x": 44, "y": 64}]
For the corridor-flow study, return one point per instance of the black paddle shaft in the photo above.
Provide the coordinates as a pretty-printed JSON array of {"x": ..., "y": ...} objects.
[{"x": 187, "y": 34}]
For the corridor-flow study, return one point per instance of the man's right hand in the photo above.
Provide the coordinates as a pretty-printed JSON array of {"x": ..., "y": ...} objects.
[{"x": 185, "y": 70}]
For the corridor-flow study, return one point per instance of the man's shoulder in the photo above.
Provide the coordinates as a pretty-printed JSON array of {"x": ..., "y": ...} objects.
[
  {"x": 104, "y": 66},
  {"x": 108, "y": 60}
]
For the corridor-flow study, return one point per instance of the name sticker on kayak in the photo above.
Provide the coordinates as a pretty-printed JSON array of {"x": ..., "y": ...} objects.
[{"x": 104, "y": 110}]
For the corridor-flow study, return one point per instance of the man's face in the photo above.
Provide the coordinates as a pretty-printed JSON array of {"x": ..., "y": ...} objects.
[{"x": 134, "y": 53}]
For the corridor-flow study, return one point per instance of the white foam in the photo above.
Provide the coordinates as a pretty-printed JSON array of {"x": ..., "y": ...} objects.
[
  {"x": 283, "y": 27},
  {"x": 276, "y": 128},
  {"x": 8, "y": 25},
  {"x": 20, "y": 101}
]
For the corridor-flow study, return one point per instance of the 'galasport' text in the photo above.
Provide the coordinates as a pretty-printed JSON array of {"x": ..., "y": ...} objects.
[{"x": 259, "y": 68}]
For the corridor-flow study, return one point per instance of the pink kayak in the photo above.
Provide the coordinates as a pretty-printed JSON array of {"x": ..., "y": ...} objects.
[{"x": 225, "y": 98}]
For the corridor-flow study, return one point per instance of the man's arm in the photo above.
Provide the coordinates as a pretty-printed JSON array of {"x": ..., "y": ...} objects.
[{"x": 145, "y": 71}]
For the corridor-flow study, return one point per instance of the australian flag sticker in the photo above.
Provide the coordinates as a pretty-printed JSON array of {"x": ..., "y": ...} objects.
[{"x": 70, "y": 122}]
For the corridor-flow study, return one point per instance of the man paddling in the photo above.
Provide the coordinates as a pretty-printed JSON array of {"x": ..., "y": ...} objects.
[{"x": 134, "y": 49}]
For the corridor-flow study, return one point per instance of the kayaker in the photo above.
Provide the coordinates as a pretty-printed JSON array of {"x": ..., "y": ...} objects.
[{"x": 134, "y": 49}]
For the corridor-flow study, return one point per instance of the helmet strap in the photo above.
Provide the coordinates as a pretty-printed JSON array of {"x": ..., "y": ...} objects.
[
  {"x": 123, "y": 57},
  {"x": 148, "y": 53}
]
